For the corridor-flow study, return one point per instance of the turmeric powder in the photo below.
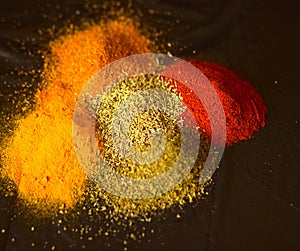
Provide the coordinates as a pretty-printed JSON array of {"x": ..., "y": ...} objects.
[{"x": 40, "y": 158}]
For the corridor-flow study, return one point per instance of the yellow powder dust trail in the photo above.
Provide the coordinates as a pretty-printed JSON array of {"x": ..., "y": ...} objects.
[{"x": 40, "y": 157}]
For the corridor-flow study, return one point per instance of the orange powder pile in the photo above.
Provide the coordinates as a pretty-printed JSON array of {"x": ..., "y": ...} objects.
[{"x": 40, "y": 157}]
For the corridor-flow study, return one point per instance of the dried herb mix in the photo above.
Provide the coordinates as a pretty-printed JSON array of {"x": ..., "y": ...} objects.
[{"x": 140, "y": 131}]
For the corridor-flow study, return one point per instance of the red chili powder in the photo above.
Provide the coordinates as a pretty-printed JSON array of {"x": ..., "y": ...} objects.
[{"x": 244, "y": 108}]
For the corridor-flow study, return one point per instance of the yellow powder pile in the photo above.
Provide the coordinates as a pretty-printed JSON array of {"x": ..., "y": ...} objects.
[{"x": 40, "y": 158}]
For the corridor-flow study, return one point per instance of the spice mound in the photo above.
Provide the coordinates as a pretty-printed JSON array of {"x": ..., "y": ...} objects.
[
  {"x": 244, "y": 108},
  {"x": 39, "y": 157},
  {"x": 141, "y": 128}
]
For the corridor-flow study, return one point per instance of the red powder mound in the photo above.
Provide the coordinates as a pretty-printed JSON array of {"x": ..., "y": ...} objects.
[{"x": 244, "y": 108}]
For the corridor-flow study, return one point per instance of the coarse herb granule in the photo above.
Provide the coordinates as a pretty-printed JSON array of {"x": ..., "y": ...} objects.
[{"x": 140, "y": 131}]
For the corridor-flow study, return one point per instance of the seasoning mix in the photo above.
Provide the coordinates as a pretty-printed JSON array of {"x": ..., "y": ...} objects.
[{"x": 39, "y": 158}]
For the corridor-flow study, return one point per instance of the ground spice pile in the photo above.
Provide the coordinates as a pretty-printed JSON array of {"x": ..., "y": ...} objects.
[
  {"x": 244, "y": 108},
  {"x": 140, "y": 130},
  {"x": 40, "y": 158}
]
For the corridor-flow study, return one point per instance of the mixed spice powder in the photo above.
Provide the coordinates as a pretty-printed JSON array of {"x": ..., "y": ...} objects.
[{"x": 40, "y": 158}]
